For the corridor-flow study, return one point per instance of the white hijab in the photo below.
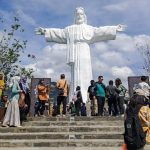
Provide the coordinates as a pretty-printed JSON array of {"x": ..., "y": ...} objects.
[{"x": 15, "y": 81}]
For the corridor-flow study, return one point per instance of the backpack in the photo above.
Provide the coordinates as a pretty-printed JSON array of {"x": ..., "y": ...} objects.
[
  {"x": 134, "y": 135},
  {"x": 110, "y": 92}
]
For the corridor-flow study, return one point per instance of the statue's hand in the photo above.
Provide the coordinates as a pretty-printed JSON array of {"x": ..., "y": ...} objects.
[
  {"x": 121, "y": 27},
  {"x": 40, "y": 31}
]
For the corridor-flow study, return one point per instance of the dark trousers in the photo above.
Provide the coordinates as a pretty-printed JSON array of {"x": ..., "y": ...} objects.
[
  {"x": 112, "y": 106},
  {"x": 78, "y": 107},
  {"x": 100, "y": 103},
  {"x": 40, "y": 108},
  {"x": 28, "y": 102},
  {"x": 23, "y": 116},
  {"x": 63, "y": 100},
  {"x": 120, "y": 101}
]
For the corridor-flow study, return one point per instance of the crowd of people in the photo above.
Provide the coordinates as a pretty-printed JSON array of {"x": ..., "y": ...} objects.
[
  {"x": 98, "y": 94},
  {"x": 15, "y": 104}
]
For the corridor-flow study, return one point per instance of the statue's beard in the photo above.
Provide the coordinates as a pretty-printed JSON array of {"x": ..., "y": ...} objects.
[{"x": 80, "y": 21}]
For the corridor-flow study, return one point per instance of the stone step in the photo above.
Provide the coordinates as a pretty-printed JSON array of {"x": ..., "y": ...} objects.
[
  {"x": 147, "y": 147},
  {"x": 73, "y": 123},
  {"x": 61, "y": 143},
  {"x": 63, "y": 135},
  {"x": 78, "y": 118},
  {"x": 62, "y": 129}
]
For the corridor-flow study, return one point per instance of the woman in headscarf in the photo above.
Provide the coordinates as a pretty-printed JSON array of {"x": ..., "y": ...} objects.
[
  {"x": 12, "y": 116},
  {"x": 2, "y": 83},
  {"x": 25, "y": 88},
  {"x": 144, "y": 115}
]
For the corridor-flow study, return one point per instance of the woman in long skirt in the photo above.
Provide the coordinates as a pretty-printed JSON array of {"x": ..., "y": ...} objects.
[{"x": 12, "y": 116}]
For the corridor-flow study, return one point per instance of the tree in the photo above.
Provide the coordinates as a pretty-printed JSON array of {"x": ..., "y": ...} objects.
[
  {"x": 27, "y": 72},
  {"x": 10, "y": 46},
  {"x": 144, "y": 48}
]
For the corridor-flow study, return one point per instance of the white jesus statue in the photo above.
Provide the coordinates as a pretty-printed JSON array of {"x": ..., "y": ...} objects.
[{"x": 78, "y": 37}]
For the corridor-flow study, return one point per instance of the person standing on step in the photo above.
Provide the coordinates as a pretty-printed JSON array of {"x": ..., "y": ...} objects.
[
  {"x": 77, "y": 98},
  {"x": 63, "y": 89},
  {"x": 137, "y": 122},
  {"x": 92, "y": 97},
  {"x": 2, "y": 83},
  {"x": 100, "y": 90},
  {"x": 112, "y": 94},
  {"x": 145, "y": 87},
  {"x": 120, "y": 99},
  {"x": 12, "y": 116},
  {"x": 26, "y": 91},
  {"x": 43, "y": 96}
]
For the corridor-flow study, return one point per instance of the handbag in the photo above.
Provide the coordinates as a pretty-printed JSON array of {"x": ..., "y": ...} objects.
[
  {"x": 21, "y": 100},
  {"x": 61, "y": 90}
]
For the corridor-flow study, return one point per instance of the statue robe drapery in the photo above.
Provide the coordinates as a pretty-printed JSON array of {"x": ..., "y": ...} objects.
[{"x": 78, "y": 38}]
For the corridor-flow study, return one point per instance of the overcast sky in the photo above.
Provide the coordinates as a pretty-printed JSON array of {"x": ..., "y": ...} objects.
[{"x": 117, "y": 58}]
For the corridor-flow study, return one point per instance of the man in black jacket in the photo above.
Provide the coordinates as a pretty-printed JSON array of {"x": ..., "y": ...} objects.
[{"x": 112, "y": 93}]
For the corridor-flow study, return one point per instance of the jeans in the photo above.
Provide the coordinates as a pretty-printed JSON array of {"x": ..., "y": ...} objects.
[
  {"x": 100, "y": 103},
  {"x": 112, "y": 103}
]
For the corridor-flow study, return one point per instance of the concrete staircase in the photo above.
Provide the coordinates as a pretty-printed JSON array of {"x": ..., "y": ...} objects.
[{"x": 69, "y": 133}]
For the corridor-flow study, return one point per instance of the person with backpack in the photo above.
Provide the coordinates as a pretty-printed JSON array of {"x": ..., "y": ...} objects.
[
  {"x": 134, "y": 136},
  {"x": 92, "y": 97},
  {"x": 100, "y": 90},
  {"x": 112, "y": 94},
  {"x": 120, "y": 98},
  {"x": 144, "y": 114},
  {"x": 77, "y": 98},
  {"x": 63, "y": 91}
]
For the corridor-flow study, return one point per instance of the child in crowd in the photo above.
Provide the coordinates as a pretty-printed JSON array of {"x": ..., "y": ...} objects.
[
  {"x": 72, "y": 109},
  {"x": 3, "y": 105}
]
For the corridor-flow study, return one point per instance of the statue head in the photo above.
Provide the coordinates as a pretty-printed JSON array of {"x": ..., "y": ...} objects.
[{"x": 80, "y": 17}]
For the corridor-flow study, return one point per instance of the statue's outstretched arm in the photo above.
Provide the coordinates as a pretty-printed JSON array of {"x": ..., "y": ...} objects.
[
  {"x": 40, "y": 31},
  {"x": 121, "y": 27}
]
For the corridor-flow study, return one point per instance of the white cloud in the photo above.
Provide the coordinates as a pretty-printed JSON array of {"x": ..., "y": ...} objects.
[
  {"x": 113, "y": 58},
  {"x": 141, "y": 39},
  {"x": 122, "y": 72},
  {"x": 123, "y": 43},
  {"x": 101, "y": 47},
  {"x": 51, "y": 62}
]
